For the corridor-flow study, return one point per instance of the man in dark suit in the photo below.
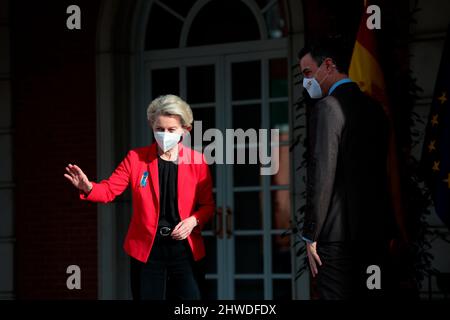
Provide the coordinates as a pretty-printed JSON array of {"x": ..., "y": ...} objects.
[{"x": 347, "y": 221}]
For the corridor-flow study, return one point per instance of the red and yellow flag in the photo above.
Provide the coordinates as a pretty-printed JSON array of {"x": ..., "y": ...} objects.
[
  {"x": 364, "y": 67},
  {"x": 366, "y": 71}
]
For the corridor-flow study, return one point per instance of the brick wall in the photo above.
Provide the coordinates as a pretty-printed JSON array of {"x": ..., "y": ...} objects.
[{"x": 54, "y": 108}]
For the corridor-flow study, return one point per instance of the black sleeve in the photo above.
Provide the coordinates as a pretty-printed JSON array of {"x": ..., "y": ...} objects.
[{"x": 324, "y": 128}]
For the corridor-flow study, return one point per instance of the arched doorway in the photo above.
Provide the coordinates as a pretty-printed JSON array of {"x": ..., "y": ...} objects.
[
  {"x": 228, "y": 59},
  {"x": 231, "y": 61}
]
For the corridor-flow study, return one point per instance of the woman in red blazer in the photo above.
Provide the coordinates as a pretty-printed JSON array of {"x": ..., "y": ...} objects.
[{"x": 172, "y": 200}]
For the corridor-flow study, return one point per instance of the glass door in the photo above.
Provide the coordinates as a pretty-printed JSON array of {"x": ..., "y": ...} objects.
[
  {"x": 247, "y": 255},
  {"x": 204, "y": 94},
  {"x": 200, "y": 82},
  {"x": 257, "y": 211}
]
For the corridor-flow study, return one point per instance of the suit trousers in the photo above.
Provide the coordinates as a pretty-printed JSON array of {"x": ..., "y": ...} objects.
[
  {"x": 343, "y": 274},
  {"x": 168, "y": 274}
]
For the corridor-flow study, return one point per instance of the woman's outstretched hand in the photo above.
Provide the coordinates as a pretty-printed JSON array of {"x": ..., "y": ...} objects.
[{"x": 78, "y": 178}]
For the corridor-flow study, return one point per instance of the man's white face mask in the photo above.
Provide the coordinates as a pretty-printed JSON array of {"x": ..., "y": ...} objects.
[
  {"x": 312, "y": 86},
  {"x": 167, "y": 140}
]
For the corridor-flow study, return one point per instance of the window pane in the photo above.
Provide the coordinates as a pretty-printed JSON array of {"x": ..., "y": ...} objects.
[
  {"x": 279, "y": 119},
  {"x": 281, "y": 214},
  {"x": 210, "y": 225},
  {"x": 221, "y": 22},
  {"x": 180, "y": 7},
  {"x": 200, "y": 84},
  {"x": 246, "y": 175},
  {"x": 163, "y": 29},
  {"x": 213, "y": 171},
  {"x": 207, "y": 116},
  {"x": 246, "y": 80},
  {"x": 281, "y": 254},
  {"x": 210, "y": 260},
  {"x": 165, "y": 81},
  {"x": 247, "y": 117},
  {"x": 249, "y": 254},
  {"x": 278, "y": 78},
  {"x": 249, "y": 290},
  {"x": 247, "y": 211},
  {"x": 262, "y": 3},
  {"x": 282, "y": 289},
  {"x": 281, "y": 177}
]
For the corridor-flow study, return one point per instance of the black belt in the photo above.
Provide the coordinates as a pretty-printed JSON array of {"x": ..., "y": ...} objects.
[{"x": 164, "y": 231}]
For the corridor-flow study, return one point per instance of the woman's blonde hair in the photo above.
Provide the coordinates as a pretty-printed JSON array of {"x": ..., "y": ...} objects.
[{"x": 170, "y": 105}]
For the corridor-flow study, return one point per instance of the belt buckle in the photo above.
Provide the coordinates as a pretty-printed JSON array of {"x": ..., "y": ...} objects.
[{"x": 165, "y": 231}]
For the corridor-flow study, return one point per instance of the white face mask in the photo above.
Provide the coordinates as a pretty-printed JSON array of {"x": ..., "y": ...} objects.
[
  {"x": 167, "y": 140},
  {"x": 313, "y": 87}
]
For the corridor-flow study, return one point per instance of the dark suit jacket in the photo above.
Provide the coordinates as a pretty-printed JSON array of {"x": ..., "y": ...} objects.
[{"x": 347, "y": 194}]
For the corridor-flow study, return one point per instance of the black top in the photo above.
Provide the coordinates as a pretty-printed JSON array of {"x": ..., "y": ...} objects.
[{"x": 168, "y": 175}]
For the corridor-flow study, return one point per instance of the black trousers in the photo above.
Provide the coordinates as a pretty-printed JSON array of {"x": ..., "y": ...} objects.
[
  {"x": 168, "y": 274},
  {"x": 343, "y": 274}
]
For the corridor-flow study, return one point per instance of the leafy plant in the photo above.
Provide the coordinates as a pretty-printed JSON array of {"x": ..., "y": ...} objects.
[{"x": 300, "y": 138}]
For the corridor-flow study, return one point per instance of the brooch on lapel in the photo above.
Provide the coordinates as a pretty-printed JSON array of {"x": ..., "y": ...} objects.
[{"x": 144, "y": 179}]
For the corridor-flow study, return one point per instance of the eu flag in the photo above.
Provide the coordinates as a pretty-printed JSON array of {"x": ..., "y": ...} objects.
[{"x": 436, "y": 148}]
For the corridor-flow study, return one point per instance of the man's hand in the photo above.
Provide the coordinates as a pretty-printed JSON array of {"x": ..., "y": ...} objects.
[
  {"x": 313, "y": 257},
  {"x": 184, "y": 228}
]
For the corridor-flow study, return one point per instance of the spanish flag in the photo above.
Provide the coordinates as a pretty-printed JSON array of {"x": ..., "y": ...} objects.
[
  {"x": 366, "y": 71},
  {"x": 364, "y": 67}
]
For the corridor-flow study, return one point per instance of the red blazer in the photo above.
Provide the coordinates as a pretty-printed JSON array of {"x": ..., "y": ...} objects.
[{"x": 194, "y": 196}]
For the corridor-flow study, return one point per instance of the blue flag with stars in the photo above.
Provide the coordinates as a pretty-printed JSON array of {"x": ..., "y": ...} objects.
[{"x": 435, "y": 160}]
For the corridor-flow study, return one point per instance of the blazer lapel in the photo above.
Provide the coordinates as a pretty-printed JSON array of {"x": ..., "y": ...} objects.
[
  {"x": 181, "y": 179},
  {"x": 154, "y": 174}
]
